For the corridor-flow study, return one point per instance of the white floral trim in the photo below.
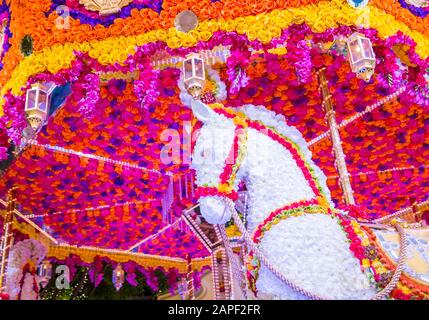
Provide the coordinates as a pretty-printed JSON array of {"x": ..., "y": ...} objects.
[{"x": 278, "y": 122}]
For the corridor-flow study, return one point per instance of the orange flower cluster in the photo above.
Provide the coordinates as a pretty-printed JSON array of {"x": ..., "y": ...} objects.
[{"x": 28, "y": 18}]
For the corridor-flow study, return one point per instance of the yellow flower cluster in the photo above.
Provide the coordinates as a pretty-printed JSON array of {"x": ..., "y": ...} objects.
[
  {"x": 366, "y": 263},
  {"x": 232, "y": 231},
  {"x": 264, "y": 27}
]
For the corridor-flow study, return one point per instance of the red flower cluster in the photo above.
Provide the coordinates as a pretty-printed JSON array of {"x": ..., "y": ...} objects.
[
  {"x": 356, "y": 211},
  {"x": 355, "y": 243},
  {"x": 231, "y": 160},
  {"x": 212, "y": 192},
  {"x": 4, "y": 296}
]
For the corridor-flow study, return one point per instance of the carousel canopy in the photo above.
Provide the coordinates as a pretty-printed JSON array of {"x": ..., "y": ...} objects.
[{"x": 93, "y": 175}]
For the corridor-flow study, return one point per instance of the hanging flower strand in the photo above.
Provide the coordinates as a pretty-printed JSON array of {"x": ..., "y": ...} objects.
[{"x": 146, "y": 87}]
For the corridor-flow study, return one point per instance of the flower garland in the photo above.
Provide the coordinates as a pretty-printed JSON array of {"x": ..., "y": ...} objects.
[
  {"x": 235, "y": 64},
  {"x": 277, "y": 19},
  {"x": 407, "y": 288},
  {"x": 146, "y": 87},
  {"x": 360, "y": 245},
  {"x": 233, "y": 163},
  {"x": 293, "y": 210}
]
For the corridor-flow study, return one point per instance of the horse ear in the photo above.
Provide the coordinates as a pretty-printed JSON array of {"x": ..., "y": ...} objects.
[{"x": 202, "y": 111}]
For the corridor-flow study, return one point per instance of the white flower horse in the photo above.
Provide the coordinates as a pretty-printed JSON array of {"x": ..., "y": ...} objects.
[{"x": 289, "y": 203}]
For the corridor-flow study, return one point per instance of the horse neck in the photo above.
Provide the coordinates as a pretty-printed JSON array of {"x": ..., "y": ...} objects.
[{"x": 273, "y": 177}]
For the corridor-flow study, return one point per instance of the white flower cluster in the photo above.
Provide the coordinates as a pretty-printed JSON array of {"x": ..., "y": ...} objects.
[
  {"x": 278, "y": 123},
  {"x": 313, "y": 252},
  {"x": 22, "y": 253}
]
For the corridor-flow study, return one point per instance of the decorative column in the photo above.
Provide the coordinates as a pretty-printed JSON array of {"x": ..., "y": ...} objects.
[
  {"x": 7, "y": 238},
  {"x": 340, "y": 161},
  {"x": 216, "y": 275},
  {"x": 190, "y": 279}
]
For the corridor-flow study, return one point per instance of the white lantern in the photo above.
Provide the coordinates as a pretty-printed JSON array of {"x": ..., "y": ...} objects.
[
  {"x": 194, "y": 75},
  {"x": 361, "y": 56},
  {"x": 45, "y": 272},
  {"x": 37, "y": 105},
  {"x": 118, "y": 277}
]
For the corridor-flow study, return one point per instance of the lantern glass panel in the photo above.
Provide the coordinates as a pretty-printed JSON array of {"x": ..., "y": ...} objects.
[
  {"x": 43, "y": 101},
  {"x": 188, "y": 69},
  {"x": 367, "y": 48},
  {"x": 31, "y": 100},
  {"x": 355, "y": 51},
  {"x": 199, "y": 68}
]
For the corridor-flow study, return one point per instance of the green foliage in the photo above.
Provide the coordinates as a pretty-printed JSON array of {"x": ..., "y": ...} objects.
[
  {"x": 82, "y": 289},
  {"x": 27, "y": 45}
]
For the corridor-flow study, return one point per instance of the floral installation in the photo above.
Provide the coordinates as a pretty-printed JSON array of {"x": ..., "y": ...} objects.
[
  {"x": 266, "y": 123},
  {"x": 286, "y": 103},
  {"x": 146, "y": 87},
  {"x": 21, "y": 278},
  {"x": 369, "y": 140}
]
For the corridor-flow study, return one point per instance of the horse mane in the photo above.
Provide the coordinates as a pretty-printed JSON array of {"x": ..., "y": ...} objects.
[{"x": 278, "y": 123}]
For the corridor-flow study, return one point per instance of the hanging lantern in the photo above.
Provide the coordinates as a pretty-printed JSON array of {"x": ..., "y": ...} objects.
[
  {"x": 361, "y": 56},
  {"x": 45, "y": 272},
  {"x": 118, "y": 277},
  {"x": 194, "y": 75},
  {"x": 37, "y": 105},
  {"x": 358, "y": 3}
]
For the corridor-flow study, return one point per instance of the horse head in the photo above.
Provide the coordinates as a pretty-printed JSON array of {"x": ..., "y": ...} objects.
[{"x": 210, "y": 156}]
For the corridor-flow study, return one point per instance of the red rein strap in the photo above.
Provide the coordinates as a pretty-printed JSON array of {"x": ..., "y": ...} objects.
[{"x": 227, "y": 177}]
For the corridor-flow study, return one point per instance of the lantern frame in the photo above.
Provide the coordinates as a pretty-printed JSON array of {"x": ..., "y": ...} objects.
[
  {"x": 361, "y": 56},
  {"x": 37, "y": 105},
  {"x": 194, "y": 74}
]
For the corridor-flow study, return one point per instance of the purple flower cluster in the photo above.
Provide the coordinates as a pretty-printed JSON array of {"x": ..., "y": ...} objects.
[{"x": 5, "y": 14}]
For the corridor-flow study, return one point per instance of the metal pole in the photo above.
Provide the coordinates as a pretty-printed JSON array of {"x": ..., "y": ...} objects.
[
  {"x": 340, "y": 161},
  {"x": 7, "y": 238}
]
